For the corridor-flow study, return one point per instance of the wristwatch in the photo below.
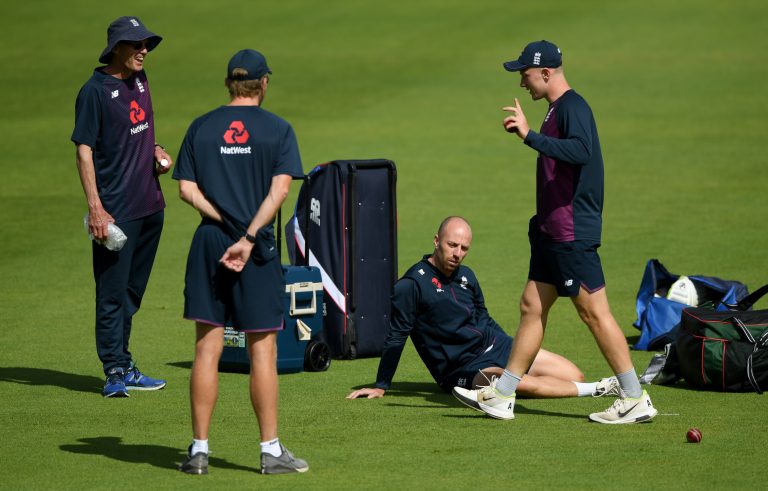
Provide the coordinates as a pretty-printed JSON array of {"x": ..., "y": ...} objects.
[{"x": 250, "y": 238}]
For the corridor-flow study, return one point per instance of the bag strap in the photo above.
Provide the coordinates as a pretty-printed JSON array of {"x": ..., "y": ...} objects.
[
  {"x": 756, "y": 346},
  {"x": 747, "y": 302}
]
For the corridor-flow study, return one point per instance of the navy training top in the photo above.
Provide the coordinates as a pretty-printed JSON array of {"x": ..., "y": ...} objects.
[
  {"x": 446, "y": 319},
  {"x": 114, "y": 117},
  {"x": 232, "y": 153},
  {"x": 569, "y": 171}
]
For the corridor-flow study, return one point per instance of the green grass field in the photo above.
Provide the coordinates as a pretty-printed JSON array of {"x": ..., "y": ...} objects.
[{"x": 678, "y": 90}]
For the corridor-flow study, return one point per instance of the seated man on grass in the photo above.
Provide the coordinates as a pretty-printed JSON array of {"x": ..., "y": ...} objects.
[{"x": 439, "y": 304}]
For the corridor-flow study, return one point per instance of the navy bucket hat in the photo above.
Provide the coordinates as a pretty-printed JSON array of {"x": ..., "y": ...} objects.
[
  {"x": 539, "y": 54},
  {"x": 127, "y": 28}
]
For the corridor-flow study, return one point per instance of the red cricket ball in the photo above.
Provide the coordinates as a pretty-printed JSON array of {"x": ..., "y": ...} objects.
[{"x": 693, "y": 435}]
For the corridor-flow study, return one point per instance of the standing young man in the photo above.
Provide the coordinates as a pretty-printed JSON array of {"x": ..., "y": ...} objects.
[
  {"x": 235, "y": 167},
  {"x": 564, "y": 236},
  {"x": 118, "y": 161}
]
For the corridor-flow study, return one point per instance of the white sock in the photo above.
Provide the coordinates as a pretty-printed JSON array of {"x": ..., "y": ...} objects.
[
  {"x": 272, "y": 447},
  {"x": 585, "y": 388},
  {"x": 199, "y": 446}
]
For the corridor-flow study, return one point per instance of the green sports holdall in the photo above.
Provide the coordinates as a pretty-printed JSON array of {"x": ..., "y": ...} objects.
[{"x": 726, "y": 351}]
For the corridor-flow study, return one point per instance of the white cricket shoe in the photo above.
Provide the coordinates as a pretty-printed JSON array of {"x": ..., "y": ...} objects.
[
  {"x": 607, "y": 387},
  {"x": 627, "y": 410},
  {"x": 488, "y": 400}
]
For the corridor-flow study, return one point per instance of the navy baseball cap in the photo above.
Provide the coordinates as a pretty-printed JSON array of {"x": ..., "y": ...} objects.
[
  {"x": 538, "y": 54},
  {"x": 251, "y": 61},
  {"x": 127, "y": 28}
]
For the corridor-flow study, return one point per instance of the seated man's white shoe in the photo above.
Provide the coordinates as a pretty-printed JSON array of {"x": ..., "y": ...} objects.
[
  {"x": 627, "y": 410},
  {"x": 607, "y": 387},
  {"x": 488, "y": 400}
]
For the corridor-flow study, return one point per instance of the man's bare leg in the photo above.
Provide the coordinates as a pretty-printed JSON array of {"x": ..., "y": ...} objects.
[
  {"x": 262, "y": 349},
  {"x": 204, "y": 378},
  {"x": 594, "y": 311},
  {"x": 535, "y": 303},
  {"x": 550, "y": 376}
]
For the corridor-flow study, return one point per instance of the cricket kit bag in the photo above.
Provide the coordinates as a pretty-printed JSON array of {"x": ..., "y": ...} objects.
[
  {"x": 725, "y": 351},
  {"x": 345, "y": 224},
  {"x": 663, "y": 296}
]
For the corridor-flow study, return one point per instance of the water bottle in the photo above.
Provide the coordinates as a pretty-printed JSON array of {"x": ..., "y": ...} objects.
[{"x": 115, "y": 237}]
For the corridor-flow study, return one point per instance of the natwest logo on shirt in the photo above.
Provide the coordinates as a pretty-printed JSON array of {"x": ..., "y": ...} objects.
[
  {"x": 438, "y": 285},
  {"x": 137, "y": 113},
  {"x": 234, "y": 135}
]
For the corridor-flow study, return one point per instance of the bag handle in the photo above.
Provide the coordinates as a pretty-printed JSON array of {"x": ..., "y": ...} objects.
[{"x": 747, "y": 302}]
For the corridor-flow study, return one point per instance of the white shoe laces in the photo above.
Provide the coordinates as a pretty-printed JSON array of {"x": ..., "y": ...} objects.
[
  {"x": 608, "y": 386},
  {"x": 491, "y": 383}
]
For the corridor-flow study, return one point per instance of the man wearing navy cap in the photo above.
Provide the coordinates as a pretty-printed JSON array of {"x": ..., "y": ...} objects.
[
  {"x": 119, "y": 161},
  {"x": 564, "y": 235},
  {"x": 235, "y": 168}
]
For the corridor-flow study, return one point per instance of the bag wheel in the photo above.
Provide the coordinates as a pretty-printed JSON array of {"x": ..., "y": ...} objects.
[{"x": 317, "y": 357}]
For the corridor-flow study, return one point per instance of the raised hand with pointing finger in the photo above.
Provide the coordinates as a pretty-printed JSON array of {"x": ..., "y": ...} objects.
[{"x": 516, "y": 122}]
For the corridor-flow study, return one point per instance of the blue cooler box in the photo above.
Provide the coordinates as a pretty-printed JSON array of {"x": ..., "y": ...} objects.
[{"x": 300, "y": 345}]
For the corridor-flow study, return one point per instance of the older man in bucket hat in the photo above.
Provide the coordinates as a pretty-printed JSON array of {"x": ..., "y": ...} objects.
[{"x": 119, "y": 162}]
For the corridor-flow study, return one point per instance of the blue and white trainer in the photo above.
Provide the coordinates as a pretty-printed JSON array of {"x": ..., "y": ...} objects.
[
  {"x": 135, "y": 380},
  {"x": 115, "y": 384}
]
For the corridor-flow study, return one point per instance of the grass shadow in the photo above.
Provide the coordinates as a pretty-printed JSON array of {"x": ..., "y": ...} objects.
[
  {"x": 180, "y": 364},
  {"x": 519, "y": 409},
  {"x": 155, "y": 455},
  {"x": 431, "y": 392},
  {"x": 54, "y": 378},
  {"x": 632, "y": 340}
]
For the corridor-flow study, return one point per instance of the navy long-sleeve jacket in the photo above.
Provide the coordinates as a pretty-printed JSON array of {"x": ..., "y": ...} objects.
[{"x": 445, "y": 318}]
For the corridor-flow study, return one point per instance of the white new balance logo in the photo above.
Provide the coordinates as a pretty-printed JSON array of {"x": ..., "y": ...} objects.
[
  {"x": 115, "y": 93},
  {"x": 568, "y": 282}
]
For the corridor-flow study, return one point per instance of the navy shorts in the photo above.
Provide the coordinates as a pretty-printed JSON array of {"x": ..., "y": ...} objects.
[
  {"x": 566, "y": 265},
  {"x": 495, "y": 355},
  {"x": 251, "y": 300}
]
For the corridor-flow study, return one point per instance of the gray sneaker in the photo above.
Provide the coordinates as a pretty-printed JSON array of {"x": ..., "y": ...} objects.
[
  {"x": 195, "y": 464},
  {"x": 284, "y": 464}
]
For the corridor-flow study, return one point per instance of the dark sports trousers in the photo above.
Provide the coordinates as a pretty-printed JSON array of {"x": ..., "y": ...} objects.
[{"x": 121, "y": 279}]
